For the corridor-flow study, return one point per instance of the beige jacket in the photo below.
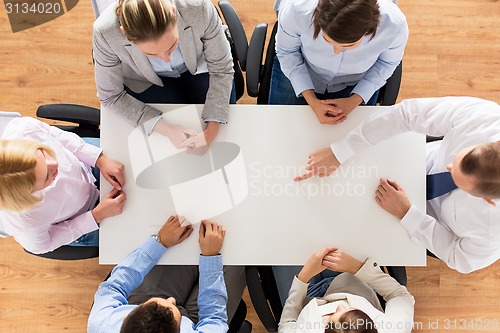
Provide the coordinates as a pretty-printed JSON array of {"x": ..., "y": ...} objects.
[{"x": 301, "y": 314}]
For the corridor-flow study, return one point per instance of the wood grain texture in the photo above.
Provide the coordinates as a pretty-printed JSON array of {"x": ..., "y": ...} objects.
[{"x": 453, "y": 50}]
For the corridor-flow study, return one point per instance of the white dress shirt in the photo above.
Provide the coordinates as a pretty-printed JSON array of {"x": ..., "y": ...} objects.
[
  {"x": 311, "y": 63},
  {"x": 64, "y": 213},
  {"x": 461, "y": 229}
]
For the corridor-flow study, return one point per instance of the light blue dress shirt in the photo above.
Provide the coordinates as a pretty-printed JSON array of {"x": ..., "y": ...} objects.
[
  {"x": 311, "y": 63},
  {"x": 111, "y": 305},
  {"x": 174, "y": 68}
]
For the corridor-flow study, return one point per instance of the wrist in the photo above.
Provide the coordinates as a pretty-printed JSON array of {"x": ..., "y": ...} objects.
[
  {"x": 311, "y": 98},
  {"x": 212, "y": 127},
  {"x": 99, "y": 160},
  {"x": 356, "y": 99},
  {"x": 356, "y": 267},
  {"x": 96, "y": 214},
  {"x": 304, "y": 276}
]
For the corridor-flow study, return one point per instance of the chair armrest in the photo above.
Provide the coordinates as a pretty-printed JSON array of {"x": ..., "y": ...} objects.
[
  {"x": 254, "y": 59},
  {"x": 236, "y": 30},
  {"x": 265, "y": 79},
  {"x": 67, "y": 252},
  {"x": 391, "y": 88},
  {"x": 80, "y": 114}
]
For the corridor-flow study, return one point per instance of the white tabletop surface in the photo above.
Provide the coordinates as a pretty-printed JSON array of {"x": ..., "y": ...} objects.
[{"x": 278, "y": 222}]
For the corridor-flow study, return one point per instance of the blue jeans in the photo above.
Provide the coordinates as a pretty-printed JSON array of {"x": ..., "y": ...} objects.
[
  {"x": 317, "y": 286},
  {"x": 92, "y": 238},
  {"x": 95, "y": 170},
  {"x": 282, "y": 93},
  {"x": 186, "y": 89}
]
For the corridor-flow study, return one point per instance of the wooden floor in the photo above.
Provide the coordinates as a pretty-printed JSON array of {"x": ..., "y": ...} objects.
[{"x": 453, "y": 49}]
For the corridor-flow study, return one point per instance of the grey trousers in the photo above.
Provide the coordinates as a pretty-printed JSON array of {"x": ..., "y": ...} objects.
[{"x": 181, "y": 283}]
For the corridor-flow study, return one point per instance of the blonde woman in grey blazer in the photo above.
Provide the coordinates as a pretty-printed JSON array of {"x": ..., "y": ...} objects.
[
  {"x": 164, "y": 51},
  {"x": 347, "y": 302}
]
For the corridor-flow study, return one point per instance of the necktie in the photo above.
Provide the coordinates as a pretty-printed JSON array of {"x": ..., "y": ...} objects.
[{"x": 439, "y": 184}]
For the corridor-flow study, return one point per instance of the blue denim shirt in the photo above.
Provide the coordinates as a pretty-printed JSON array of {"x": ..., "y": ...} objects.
[
  {"x": 311, "y": 63},
  {"x": 111, "y": 305}
]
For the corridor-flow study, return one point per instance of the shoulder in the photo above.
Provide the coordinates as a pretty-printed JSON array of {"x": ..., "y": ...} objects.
[
  {"x": 298, "y": 7},
  {"x": 18, "y": 127},
  {"x": 391, "y": 17},
  {"x": 191, "y": 6},
  {"x": 108, "y": 22}
]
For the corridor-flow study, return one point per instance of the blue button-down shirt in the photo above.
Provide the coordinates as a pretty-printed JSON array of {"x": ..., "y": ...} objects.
[
  {"x": 111, "y": 305},
  {"x": 311, "y": 63}
]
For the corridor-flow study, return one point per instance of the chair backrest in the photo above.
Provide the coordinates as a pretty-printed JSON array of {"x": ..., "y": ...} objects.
[
  {"x": 100, "y": 5},
  {"x": 248, "y": 55}
]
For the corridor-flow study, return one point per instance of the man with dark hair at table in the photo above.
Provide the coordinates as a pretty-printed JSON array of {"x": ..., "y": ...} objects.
[
  {"x": 171, "y": 298},
  {"x": 461, "y": 224}
]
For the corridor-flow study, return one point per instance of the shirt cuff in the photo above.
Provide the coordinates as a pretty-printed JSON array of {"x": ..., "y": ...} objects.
[
  {"x": 89, "y": 154},
  {"x": 210, "y": 264},
  {"x": 88, "y": 223},
  {"x": 215, "y": 120},
  {"x": 365, "y": 89},
  {"x": 150, "y": 124},
  {"x": 412, "y": 219},
  {"x": 342, "y": 150},
  {"x": 153, "y": 248},
  {"x": 369, "y": 267}
]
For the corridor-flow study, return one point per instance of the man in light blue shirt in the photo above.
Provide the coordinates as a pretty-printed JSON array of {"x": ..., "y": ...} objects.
[
  {"x": 335, "y": 54},
  {"x": 171, "y": 298}
]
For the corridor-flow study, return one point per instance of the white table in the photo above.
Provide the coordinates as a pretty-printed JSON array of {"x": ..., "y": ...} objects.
[{"x": 279, "y": 222}]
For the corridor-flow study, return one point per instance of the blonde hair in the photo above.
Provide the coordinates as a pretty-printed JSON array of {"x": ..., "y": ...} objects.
[
  {"x": 17, "y": 173},
  {"x": 145, "y": 20}
]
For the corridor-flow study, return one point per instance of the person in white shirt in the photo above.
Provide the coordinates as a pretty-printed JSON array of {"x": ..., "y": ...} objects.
[
  {"x": 335, "y": 54},
  {"x": 47, "y": 192},
  {"x": 349, "y": 303},
  {"x": 461, "y": 227}
]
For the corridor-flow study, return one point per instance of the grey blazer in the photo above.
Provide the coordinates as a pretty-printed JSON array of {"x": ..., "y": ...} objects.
[{"x": 119, "y": 63}]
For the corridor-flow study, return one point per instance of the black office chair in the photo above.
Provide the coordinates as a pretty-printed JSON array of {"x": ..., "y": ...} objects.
[
  {"x": 246, "y": 56},
  {"x": 266, "y": 300}
]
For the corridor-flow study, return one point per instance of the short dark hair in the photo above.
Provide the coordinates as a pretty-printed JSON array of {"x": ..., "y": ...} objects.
[
  {"x": 353, "y": 321},
  {"x": 483, "y": 163},
  {"x": 150, "y": 318},
  {"x": 346, "y": 21}
]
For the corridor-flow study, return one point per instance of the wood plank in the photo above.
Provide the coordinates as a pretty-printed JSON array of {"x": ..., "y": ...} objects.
[{"x": 453, "y": 50}]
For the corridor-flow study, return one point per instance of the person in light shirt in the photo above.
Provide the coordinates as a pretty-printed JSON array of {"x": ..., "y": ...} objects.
[
  {"x": 462, "y": 226},
  {"x": 335, "y": 54},
  {"x": 47, "y": 193},
  {"x": 345, "y": 302}
]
